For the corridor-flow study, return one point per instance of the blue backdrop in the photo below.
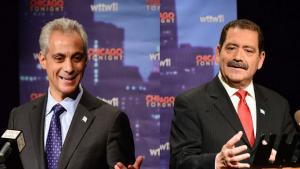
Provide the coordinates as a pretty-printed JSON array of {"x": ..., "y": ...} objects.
[{"x": 142, "y": 53}]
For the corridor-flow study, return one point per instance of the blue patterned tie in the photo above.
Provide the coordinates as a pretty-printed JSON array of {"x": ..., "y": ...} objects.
[{"x": 54, "y": 142}]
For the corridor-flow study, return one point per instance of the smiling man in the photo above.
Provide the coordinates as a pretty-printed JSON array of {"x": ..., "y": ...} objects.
[
  {"x": 216, "y": 125},
  {"x": 68, "y": 128}
]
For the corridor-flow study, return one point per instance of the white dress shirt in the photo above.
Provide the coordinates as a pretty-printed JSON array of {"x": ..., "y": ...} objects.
[
  {"x": 250, "y": 99},
  {"x": 65, "y": 118}
]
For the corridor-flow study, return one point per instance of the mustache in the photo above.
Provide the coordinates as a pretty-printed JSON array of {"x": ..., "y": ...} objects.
[{"x": 237, "y": 64}]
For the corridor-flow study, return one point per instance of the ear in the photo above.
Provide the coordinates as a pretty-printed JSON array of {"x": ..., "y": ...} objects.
[
  {"x": 261, "y": 60},
  {"x": 85, "y": 62},
  {"x": 218, "y": 50},
  {"x": 42, "y": 60}
]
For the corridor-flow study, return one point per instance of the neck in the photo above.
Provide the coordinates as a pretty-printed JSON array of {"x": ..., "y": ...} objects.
[
  {"x": 236, "y": 85},
  {"x": 72, "y": 95}
]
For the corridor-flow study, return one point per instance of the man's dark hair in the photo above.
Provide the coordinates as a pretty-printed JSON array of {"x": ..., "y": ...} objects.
[{"x": 243, "y": 24}]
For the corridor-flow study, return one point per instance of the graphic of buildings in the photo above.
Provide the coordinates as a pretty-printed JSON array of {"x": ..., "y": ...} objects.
[
  {"x": 175, "y": 70},
  {"x": 183, "y": 73},
  {"x": 111, "y": 80}
]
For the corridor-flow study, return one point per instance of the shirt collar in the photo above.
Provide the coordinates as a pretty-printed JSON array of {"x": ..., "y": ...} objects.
[
  {"x": 231, "y": 91},
  {"x": 68, "y": 103}
]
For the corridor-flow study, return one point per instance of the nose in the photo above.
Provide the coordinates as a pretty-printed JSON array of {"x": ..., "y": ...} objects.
[
  {"x": 238, "y": 54},
  {"x": 68, "y": 66}
]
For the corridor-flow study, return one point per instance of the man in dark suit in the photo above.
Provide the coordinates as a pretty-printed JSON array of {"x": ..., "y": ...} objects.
[
  {"x": 87, "y": 133},
  {"x": 208, "y": 129}
]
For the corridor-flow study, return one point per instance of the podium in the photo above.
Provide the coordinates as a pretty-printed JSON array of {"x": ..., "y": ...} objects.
[{"x": 288, "y": 152}]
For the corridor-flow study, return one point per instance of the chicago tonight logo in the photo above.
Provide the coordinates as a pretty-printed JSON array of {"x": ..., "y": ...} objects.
[
  {"x": 153, "y": 5},
  {"x": 159, "y": 101},
  {"x": 167, "y": 17},
  {"x": 205, "y": 60},
  {"x": 46, "y": 5},
  {"x": 106, "y": 54}
]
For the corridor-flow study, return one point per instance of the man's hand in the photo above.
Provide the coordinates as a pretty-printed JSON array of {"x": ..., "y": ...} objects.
[
  {"x": 137, "y": 164},
  {"x": 273, "y": 156},
  {"x": 230, "y": 156}
]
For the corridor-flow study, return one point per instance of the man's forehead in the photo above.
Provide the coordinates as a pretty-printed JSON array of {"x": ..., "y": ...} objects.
[{"x": 238, "y": 36}]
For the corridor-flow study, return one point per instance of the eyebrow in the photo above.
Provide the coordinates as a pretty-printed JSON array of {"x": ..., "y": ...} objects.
[
  {"x": 247, "y": 46},
  {"x": 230, "y": 43},
  {"x": 77, "y": 53},
  {"x": 62, "y": 54},
  {"x": 244, "y": 46}
]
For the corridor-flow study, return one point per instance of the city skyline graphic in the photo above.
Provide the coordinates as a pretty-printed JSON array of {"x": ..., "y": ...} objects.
[{"x": 140, "y": 57}]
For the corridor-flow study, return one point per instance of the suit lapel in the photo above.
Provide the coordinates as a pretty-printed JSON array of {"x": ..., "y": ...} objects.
[
  {"x": 262, "y": 110},
  {"x": 36, "y": 119},
  {"x": 80, "y": 123},
  {"x": 225, "y": 107}
]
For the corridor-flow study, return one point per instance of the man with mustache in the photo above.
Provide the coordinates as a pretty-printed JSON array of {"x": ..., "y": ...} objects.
[
  {"x": 218, "y": 124},
  {"x": 68, "y": 128}
]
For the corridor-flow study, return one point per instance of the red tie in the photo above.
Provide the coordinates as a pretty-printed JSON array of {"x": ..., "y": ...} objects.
[{"x": 245, "y": 116}]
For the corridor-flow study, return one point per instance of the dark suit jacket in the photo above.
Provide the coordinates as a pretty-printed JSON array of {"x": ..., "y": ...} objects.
[
  {"x": 99, "y": 143},
  {"x": 205, "y": 119}
]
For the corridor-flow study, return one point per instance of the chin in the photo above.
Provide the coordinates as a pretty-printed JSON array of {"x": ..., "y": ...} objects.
[
  {"x": 236, "y": 77},
  {"x": 236, "y": 80},
  {"x": 68, "y": 90}
]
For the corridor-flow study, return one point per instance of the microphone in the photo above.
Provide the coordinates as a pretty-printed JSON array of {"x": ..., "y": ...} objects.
[{"x": 12, "y": 143}]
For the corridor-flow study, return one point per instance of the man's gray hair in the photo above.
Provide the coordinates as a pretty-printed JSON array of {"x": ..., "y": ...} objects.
[{"x": 62, "y": 25}]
